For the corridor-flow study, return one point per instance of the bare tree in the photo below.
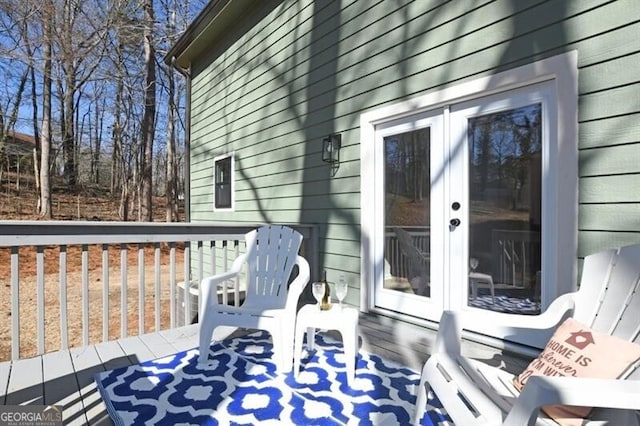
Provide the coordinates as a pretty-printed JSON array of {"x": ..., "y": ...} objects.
[
  {"x": 82, "y": 43},
  {"x": 44, "y": 200},
  {"x": 18, "y": 68},
  {"x": 171, "y": 171},
  {"x": 148, "y": 119},
  {"x": 88, "y": 75}
]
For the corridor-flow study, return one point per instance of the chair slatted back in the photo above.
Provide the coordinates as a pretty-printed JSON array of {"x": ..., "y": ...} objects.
[
  {"x": 418, "y": 266},
  {"x": 271, "y": 255},
  {"x": 609, "y": 296}
]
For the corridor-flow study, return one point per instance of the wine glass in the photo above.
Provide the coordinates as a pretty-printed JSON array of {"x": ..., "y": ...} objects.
[
  {"x": 473, "y": 263},
  {"x": 318, "y": 291},
  {"x": 341, "y": 290}
]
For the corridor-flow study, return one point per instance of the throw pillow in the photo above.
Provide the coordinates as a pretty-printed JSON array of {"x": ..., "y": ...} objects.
[{"x": 575, "y": 350}]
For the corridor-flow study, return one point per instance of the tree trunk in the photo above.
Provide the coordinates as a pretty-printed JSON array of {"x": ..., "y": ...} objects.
[
  {"x": 37, "y": 151},
  {"x": 44, "y": 202},
  {"x": 68, "y": 137},
  {"x": 97, "y": 139},
  {"x": 148, "y": 119},
  {"x": 117, "y": 158},
  {"x": 172, "y": 172}
]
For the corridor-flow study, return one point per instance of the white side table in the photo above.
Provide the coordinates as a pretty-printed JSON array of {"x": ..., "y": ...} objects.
[
  {"x": 344, "y": 320},
  {"x": 477, "y": 279}
]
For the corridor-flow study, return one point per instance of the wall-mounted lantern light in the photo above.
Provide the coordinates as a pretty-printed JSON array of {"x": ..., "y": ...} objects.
[{"x": 331, "y": 148}]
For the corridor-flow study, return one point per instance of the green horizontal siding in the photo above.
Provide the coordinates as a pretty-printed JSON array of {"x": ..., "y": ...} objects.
[
  {"x": 610, "y": 217},
  {"x": 620, "y": 159},
  {"x": 427, "y": 65},
  {"x": 609, "y": 102},
  {"x": 610, "y": 189},
  {"x": 610, "y": 131},
  {"x": 611, "y": 73},
  {"x": 595, "y": 241},
  {"x": 307, "y": 69}
]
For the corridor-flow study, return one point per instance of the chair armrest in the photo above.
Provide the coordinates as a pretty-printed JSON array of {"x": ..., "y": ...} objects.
[
  {"x": 449, "y": 337},
  {"x": 453, "y": 322},
  {"x": 209, "y": 285},
  {"x": 541, "y": 390},
  {"x": 299, "y": 283},
  {"x": 562, "y": 307}
]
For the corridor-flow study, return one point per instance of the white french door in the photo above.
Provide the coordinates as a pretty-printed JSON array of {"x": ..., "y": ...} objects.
[
  {"x": 459, "y": 206},
  {"x": 409, "y": 154}
]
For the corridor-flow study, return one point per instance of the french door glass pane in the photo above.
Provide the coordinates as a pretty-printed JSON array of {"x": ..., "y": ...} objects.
[
  {"x": 407, "y": 211},
  {"x": 505, "y": 151}
]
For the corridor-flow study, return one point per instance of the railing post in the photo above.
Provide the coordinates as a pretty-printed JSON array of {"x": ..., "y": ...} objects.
[
  {"x": 172, "y": 284},
  {"x": 141, "y": 292},
  {"x": 85, "y": 294},
  {"x": 236, "y": 284},
  {"x": 200, "y": 277},
  {"x": 64, "y": 333},
  {"x": 15, "y": 303},
  {"x": 187, "y": 283},
  {"x": 123, "y": 291},
  {"x": 157, "y": 285},
  {"x": 40, "y": 297},
  {"x": 105, "y": 292}
]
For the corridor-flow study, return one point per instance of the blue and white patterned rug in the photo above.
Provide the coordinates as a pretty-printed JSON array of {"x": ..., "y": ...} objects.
[
  {"x": 239, "y": 386},
  {"x": 507, "y": 304}
]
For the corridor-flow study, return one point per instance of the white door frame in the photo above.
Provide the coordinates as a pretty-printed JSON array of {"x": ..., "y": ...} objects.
[
  {"x": 411, "y": 304},
  {"x": 458, "y": 190},
  {"x": 561, "y": 72}
]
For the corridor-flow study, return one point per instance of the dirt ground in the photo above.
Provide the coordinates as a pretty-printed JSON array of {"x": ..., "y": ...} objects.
[{"x": 20, "y": 205}]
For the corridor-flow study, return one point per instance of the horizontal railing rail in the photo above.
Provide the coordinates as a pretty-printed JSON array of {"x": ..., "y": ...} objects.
[{"x": 96, "y": 258}]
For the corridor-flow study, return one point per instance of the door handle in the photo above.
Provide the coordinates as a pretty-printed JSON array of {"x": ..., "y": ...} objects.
[{"x": 455, "y": 222}]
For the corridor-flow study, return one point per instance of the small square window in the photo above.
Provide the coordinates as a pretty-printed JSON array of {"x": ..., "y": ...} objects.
[{"x": 223, "y": 196}]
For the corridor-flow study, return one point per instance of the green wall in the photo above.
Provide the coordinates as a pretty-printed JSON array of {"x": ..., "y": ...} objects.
[{"x": 299, "y": 70}]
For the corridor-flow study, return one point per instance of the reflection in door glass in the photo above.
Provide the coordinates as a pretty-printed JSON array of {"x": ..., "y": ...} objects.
[
  {"x": 407, "y": 212},
  {"x": 505, "y": 215}
]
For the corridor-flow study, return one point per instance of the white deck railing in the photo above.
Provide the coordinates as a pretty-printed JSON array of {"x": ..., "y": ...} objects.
[
  {"x": 516, "y": 256},
  {"x": 399, "y": 262},
  {"x": 205, "y": 248}
]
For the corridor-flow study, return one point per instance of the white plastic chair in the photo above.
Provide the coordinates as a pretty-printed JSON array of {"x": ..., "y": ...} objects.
[
  {"x": 272, "y": 252},
  {"x": 474, "y": 393},
  {"x": 418, "y": 273}
]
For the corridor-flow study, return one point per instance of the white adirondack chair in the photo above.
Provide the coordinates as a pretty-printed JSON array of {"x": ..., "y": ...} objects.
[
  {"x": 418, "y": 273},
  {"x": 608, "y": 300},
  {"x": 272, "y": 252}
]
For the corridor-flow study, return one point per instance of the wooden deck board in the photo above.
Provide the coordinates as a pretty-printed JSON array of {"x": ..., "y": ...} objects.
[
  {"x": 136, "y": 350},
  {"x": 60, "y": 385},
  {"x": 25, "y": 382},
  {"x": 183, "y": 338},
  {"x": 158, "y": 345},
  {"x": 112, "y": 355},
  {"x": 67, "y": 377},
  {"x": 403, "y": 343},
  {"x": 5, "y": 370},
  {"x": 86, "y": 364}
]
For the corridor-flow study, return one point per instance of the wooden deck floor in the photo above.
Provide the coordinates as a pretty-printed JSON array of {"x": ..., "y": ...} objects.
[{"x": 66, "y": 377}]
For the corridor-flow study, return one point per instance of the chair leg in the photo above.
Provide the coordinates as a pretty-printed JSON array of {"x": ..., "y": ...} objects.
[
  {"x": 421, "y": 399},
  {"x": 276, "y": 338},
  {"x": 283, "y": 348},
  {"x": 206, "y": 333},
  {"x": 286, "y": 357}
]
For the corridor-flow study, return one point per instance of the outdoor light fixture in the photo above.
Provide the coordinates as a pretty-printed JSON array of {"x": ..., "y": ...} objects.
[{"x": 331, "y": 148}]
